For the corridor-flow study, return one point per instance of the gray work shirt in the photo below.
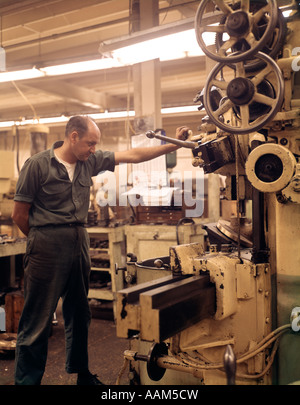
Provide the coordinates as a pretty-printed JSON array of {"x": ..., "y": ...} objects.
[{"x": 44, "y": 183}]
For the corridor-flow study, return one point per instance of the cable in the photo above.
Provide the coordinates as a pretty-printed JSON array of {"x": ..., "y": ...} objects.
[
  {"x": 25, "y": 98},
  {"x": 270, "y": 338},
  {"x": 121, "y": 372},
  {"x": 266, "y": 369}
]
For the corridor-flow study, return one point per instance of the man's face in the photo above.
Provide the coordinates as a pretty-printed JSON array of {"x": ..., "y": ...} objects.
[{"x": 85, "y": 146}]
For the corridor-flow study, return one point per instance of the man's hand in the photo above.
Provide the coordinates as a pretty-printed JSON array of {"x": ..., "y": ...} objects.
[{"x": 182, "y": 133}]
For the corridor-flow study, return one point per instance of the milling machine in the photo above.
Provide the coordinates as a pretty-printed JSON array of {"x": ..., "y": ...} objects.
[{"x": 228, "y": 312}]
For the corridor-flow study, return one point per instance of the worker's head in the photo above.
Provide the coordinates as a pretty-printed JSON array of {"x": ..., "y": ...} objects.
[{"x": 83, "y": 135}]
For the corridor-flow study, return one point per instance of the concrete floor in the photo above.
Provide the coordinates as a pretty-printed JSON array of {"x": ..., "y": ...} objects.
[{"x": 105, "y": 354}]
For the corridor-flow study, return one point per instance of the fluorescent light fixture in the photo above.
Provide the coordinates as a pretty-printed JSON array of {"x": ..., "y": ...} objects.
[
  {"x": 49, "y": 120},
  {"x": 107, "y": 115},
  {"x": 52, "y": 120},
  {"x": 20, "y": 75},
  {"x": 112, "y": 114},
  {"x": 180, "y": 110},
  {"x": 79, "y": 67},
  {"x": 7, "y": 124},
  {"x": 166, "y": 42},
  {"x": 65, "y": 69},
  {"x": 170, "y": 47}
]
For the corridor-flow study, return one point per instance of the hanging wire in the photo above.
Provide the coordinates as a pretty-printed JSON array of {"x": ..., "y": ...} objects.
[{"x": 26, "y": 99}]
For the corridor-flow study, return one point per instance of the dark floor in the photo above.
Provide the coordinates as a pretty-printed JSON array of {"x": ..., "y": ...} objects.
[{"x": 105, "y": 354}]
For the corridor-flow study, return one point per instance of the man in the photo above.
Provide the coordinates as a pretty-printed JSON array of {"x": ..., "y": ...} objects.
[{"x": 50, "y": 207}]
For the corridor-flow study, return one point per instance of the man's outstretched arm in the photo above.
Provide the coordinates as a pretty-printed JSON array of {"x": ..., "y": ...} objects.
[{"x": 138, "y": 155}]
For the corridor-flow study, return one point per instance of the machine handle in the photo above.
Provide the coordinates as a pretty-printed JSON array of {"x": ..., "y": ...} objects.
[
  {"x": 183, "y": 144},
  {"x": 230, "y": 365}
]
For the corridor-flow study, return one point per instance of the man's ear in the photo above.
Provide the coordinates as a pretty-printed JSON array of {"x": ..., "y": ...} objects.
[{"x": 74, "y": 137}]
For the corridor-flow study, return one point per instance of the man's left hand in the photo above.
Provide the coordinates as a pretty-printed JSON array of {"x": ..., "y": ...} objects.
[{"x": 182, "y": 133}]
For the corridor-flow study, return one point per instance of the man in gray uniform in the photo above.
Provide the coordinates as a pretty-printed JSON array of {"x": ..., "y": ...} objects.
[{"x": 50, "y": 207}]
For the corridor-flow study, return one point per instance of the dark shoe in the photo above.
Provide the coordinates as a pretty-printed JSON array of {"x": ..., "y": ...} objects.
[{"x": 88, "y": 379}]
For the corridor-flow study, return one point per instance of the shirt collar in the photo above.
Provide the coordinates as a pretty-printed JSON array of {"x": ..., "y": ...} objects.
[{"x": 55, "y": 146}]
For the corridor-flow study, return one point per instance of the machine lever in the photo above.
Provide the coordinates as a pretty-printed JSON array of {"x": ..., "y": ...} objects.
[
  {"x": 230, "y": 365},
  {"x": 184, "y": 144}
]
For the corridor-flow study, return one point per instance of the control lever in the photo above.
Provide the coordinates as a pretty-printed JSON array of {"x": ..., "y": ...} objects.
[
  {"x": 184, "y": 144},
  {"x": 230, "y": 365}
]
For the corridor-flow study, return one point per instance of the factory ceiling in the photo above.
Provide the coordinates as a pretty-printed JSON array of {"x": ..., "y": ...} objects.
[{"x": 50, "y": 32}]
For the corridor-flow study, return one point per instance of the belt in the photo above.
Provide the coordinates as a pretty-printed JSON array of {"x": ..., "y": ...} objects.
[{"x": 67, "y": 225}]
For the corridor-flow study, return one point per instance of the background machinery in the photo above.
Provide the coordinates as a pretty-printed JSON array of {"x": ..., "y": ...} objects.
[{"x": 227, "y": 312}]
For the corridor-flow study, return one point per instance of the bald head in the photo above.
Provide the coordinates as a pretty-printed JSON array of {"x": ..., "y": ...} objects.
[
  {"x": 81, "y": 137},
  {"x": 79, "y": 124}
]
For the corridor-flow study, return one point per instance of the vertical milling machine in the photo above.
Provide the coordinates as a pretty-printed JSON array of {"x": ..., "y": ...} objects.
[{"x": 229, "y": 311}]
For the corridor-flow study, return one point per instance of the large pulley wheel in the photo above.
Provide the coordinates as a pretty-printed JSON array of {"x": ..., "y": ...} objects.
[
  {"x": 241, "y": 96},
  {"x": 240, "y": 26},
  {"x": 272, "y": 47}
]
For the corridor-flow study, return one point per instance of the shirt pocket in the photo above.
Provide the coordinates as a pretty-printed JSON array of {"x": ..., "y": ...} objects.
[
  {"x": 85, "y": 181},
  {"x": 54, "y": 195},
  {"x": 54, "y": 188},
  {"x": 83, "y": 189}
]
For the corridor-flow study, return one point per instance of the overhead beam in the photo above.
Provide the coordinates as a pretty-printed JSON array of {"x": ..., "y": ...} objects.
[{"x": 73, "y": 93}]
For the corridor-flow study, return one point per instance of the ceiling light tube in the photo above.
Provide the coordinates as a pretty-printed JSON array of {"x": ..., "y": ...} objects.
[
  {"x": 180, "y": 110},
  {"x": 64, "y": 69},
  {"x": 165, "y": 42},
  {"x": 107, "y": 115},
  {"x": 170, "y": 47},
  {"x": 141, "y": 36},
  {"x": 79, "y": 67},
  {"x": 20, "y": 75}
]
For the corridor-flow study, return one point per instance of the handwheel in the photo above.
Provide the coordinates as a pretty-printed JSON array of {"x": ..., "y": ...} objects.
[
  {"x": 155, "y": 372},
  {"x": 240, "y": 26},
  {"x": 241, "y": 95},
  {"x": 272, "y": 46}
]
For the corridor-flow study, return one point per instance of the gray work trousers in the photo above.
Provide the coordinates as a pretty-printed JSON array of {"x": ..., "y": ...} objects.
[{"x": 56, "y": 264}]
